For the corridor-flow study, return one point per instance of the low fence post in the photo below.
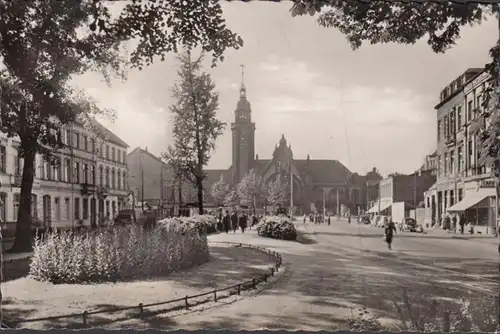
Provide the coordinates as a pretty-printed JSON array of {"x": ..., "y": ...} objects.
[
  {"x": 85, "y": 316},
  {"x": 277, "y": 267},
  {"x": 272, "y": 271},
  {"x": 265, "y": 277},
  {"x": 239, "y": 289},
  {"x": 215, "y": 295},
  {"x": 186, "y": 302},
  {"x": 446, "y": 322},
  {"x": 141, "y": 310},
  {"x": 254, "y": 284}
]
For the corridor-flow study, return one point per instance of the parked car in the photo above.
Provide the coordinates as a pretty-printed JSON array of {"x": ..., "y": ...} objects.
[
  {"x": 365, "y": 219},
  {"x": 124, "y": 217},
  {"x": 411, "y": 225}
]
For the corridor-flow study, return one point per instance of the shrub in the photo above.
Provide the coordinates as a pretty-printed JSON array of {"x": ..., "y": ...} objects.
[
  {"x": 426, "y": 314},
  {"x": 202, "y": 223},
  {"x": 277, "y": 228},
  {"x": 114, "y": 254}
]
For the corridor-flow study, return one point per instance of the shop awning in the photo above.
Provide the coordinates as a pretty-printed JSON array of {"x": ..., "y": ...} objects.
[
  {"x": 383, "y": 206},
  {"x": 472, "y": 199}
]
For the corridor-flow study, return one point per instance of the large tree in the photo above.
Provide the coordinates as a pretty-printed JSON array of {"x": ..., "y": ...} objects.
[
  {"x": 251, "y": 189},
  {"x": 195, "y": 123},
  {"x": 219, "y": 191},
  {"x": 45, "y": 43},
  {"x": 232, "y": 199}
]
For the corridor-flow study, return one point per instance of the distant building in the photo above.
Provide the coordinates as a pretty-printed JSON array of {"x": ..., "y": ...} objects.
[
  {"x": 402, "y": 188},
  {"x": 430, "y": 163},
  {"x": 318, "y": 185},
  {"x": 464, "y": 183}
]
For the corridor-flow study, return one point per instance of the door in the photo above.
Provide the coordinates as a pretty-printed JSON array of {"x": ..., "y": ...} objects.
[{"x": 93, "y": 215}]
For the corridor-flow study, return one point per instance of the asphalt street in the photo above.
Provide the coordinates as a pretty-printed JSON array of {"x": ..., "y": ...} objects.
[{"x": 344, "y": 267}]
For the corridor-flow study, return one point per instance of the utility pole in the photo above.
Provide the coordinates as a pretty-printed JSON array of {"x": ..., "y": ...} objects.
[
  {"x": 142, "y": 184},
  {"x": 291, "y": 192},
  {"x": 415, "y": 194},
  {"x": 497, "y": 7}
]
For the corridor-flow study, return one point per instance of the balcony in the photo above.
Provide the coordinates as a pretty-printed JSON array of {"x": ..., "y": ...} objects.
[
  {"x": 16, "y": 180},
  {"x": 450, "y": 140},
  {"x": 87, "y": 189}
]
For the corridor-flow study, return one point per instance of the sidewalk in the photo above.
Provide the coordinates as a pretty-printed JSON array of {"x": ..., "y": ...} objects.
[{"x": 488, "y": 238}]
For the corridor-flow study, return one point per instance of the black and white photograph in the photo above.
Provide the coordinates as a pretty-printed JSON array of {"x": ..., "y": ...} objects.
[{"x": 314, "y": 165}]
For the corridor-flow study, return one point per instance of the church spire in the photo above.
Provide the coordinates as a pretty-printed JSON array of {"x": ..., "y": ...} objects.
[{"x": 243, "y": 89}]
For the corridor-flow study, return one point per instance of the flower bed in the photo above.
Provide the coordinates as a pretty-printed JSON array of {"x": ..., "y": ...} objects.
[
  {"x": 110, "y": 255},
  {"x": 277, "y": 228},
  {"x": 202, "y": 223}
]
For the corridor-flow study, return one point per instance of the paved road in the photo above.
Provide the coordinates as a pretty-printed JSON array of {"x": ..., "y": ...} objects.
[{"x": 349, "y": 266}]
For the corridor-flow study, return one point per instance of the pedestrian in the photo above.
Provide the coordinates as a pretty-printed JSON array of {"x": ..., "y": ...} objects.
[
  {"x": 305, "y": 219},
  {"x": 226, "y": 221},
  {"x": 349, "y": 218},
  {"x": 390, "y": 229},
  {"x": 454, "y": 223},
  {"x": 234, "y": 221},
  {"x": 329, "y": 220},
  {"x": 462, "y": 223},
  {"x": 243, "y": 222}
]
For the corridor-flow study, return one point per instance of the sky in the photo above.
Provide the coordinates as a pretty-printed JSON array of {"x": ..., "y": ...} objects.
[{"x": 373, "y": 107}]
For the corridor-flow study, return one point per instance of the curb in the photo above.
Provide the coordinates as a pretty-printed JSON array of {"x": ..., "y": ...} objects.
[{"x": 256, "y": 284}]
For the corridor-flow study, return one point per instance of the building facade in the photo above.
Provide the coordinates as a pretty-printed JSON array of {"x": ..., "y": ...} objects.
[
  {"x": 87, "y": 184},
  {"x": 318, "y": 185},
  {"x": 463, "y": 183},
  {"x": 402, "y": 188},
  {"x": 151, "y": 180},
  {"x": 430, "y": 163}
]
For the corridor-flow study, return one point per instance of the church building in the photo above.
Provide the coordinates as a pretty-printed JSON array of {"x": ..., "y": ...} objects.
[{"x": 317, "y": 184}]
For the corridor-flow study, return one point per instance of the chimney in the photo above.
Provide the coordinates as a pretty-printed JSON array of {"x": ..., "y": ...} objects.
[{"x": 146, "y": 149}]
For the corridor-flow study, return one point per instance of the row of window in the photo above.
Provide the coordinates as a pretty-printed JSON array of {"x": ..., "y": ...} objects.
[
  {"x": 59, "y": 209},
  {"x": 84, "y": 172},
  {"x": 447, "y": 198},
  {"x": 453, "y": 122},
  {"x": 454, "y": 161},
  {"x": 79, "y": 141}
]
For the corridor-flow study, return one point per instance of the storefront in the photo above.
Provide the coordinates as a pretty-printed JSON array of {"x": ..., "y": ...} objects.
[{"x": 478, "y": 205}]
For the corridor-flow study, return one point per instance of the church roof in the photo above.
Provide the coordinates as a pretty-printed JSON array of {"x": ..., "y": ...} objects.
[{"x": 321, "y": 171}]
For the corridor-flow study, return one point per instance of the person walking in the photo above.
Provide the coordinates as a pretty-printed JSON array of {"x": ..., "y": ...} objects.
[
  {"x": 234, "y": 221},
  {"x": 226, "y": 222},
  {"x": 462, "y": 223},
  {"x": 329, "y": 220},
  {"x": 243, "y": 222},
  {"x": 390, "y": 229}
]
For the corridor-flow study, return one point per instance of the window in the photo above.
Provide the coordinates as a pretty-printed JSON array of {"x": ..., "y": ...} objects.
[
  {"x": 77, "y": 208},
  {"x": 124, "y": 181},
  {"x": 17, "y": 162},
  {"x": 46, "y": 170},
  {"x": 446, "y": 127},
  {"x": 119, "y": 180},
  {"x": 3, "y": 209},
  {"x": 85, "y": 173},
  {"x": 77, "y": 140},
  {"x": 460, "y": 194},
  {"x": 57, "y": 205},
  {"x": 3, "y": 159},
  {"x": 101, "y": 150},
  {"x": 452, "y": 161},
  {"x": 101, "y": 176},
  {"x": 85, "y": 143},
  {"x": 67, "y": 170},
  {"x": 15, "y": 206},
  {"x": 113, "y": 175},
  {"x": 452, "y": 124},
  {"x": 85, "y": 207},
  {"x": 113, "y": 153},
  {"x": 34, "y": 206},
  {"x": 460, "y": 158},
  {"x": 124, "y": 157},
  {"x": 446, "y": 161},
  {"x": 479, "y": 102},
  {"x": 107, "y": 176},
  {"x": 93, "y": 146},
  {"x": 469, "y": 110},
  {"x": 68, "y": 137},
  {"x": 92, "y": 174},
  {"x": 76, "y": 172},
  {"x": 107, "y": 152},
  {"x": 67, "y": 209},
  {"x": 459, "y": 117},
  {"x": 439, "y": 129},
  {"x": 470, "y": 154}
]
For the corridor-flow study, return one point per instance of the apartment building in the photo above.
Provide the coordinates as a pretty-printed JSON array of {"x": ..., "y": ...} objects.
[
  {"x": 88, "y": 183},
  {"x": 430, "y": 163},
  {"x": 463, "y": 185}
]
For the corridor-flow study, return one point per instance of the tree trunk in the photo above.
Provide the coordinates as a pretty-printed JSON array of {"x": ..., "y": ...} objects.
[
  {"x": 23, "y": 236},
  {"x": 199, "y": 187}
]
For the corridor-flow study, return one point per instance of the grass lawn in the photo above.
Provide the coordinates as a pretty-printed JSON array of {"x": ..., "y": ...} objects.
[{"x": 25, "y": 298}]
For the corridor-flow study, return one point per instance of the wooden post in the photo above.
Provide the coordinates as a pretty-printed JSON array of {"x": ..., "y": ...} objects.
[
  {"x": 141, "y": 310},
  {"x": 254, "y": 284},
  {"x": 85, "y": 318},
  {"x": 186, "y": 302},
  {"x": 446, "y": 322},
  {"x": 239, "y": 289},
  {"x": 215, "y": 295}
]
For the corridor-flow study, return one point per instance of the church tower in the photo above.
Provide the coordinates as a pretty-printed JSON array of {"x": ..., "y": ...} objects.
[{"x": 243, "y": 135}]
